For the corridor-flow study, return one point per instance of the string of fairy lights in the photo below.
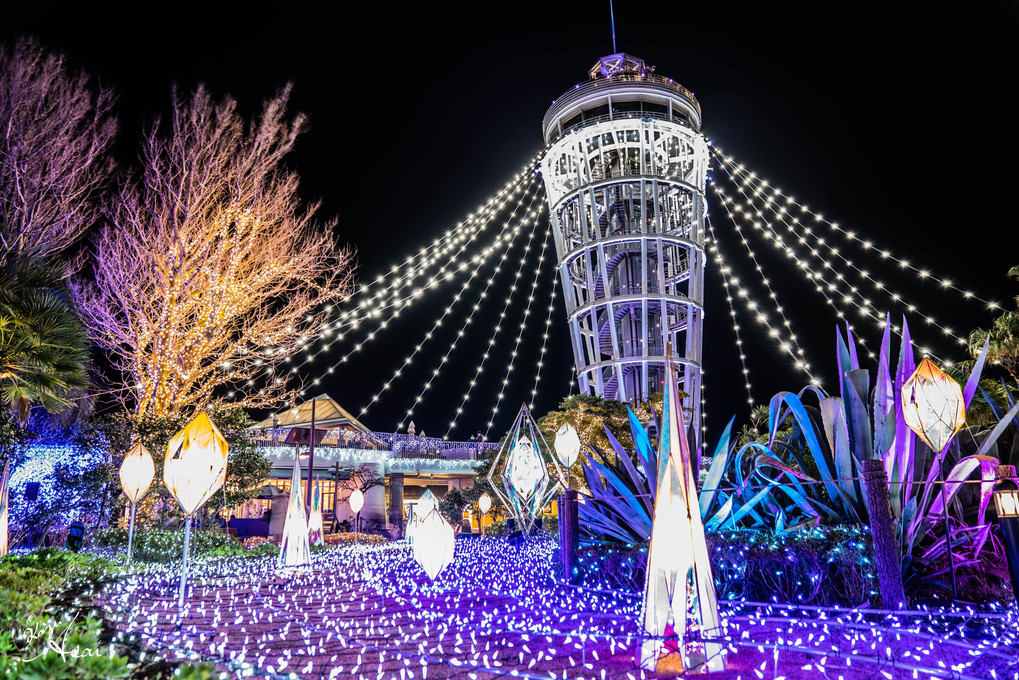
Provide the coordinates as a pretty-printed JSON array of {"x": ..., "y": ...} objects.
[
  {"x": 523, "y": 324},
  {"x": 759, "y": 223},
  {"x": 760, "y": 197},
  {"x": 474, "y": 253},
  {"x": 526, "y": 219},
  {"x": 788, "y": 344},
  {"x": 716, "y": 252}
]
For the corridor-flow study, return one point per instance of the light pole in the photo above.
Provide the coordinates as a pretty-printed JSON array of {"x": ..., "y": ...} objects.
[
  {"x": 934, "y": 409},
  {"x": 1006, "y": 502},
  {"x": 356, "y": 501}
]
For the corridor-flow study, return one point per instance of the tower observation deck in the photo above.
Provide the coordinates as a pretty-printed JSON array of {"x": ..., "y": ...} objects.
[{"x": 625, "y": 173}]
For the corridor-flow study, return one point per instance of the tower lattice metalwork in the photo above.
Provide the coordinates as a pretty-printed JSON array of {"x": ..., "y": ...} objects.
[{"x": 625, "y": 173}]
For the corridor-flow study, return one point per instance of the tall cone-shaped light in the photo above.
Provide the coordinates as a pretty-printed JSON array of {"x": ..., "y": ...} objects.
[
  {"x": 294, "y": 548},
  {"x": 136, "y": 474},
  {"x": 678, "y": 553},
  {"x": 194, "y": 470}
]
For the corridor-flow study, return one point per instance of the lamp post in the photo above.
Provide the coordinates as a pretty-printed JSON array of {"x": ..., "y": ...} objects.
[
  {"x": 934, "y": 409},
  {"x": 194, "y": 470},
  {"x": 356, "y": 501},
  {"x": 484, "y": 504},
  {"x": 136, "y": 475},
  {"x": 1006, "y": 502}
]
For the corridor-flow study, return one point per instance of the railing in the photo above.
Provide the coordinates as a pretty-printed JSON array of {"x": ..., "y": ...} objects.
[
  {"x": 618, "y": 115},
  {"x": 400, "y": 445},
  {"x": 584, "y": 89}
]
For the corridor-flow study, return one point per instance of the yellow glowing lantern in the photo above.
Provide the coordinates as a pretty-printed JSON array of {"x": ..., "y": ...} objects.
[
  {"x": 195, "y": 466},
  {"x": 136, "y": 475},
  {"x": 194, "y": 470},
  {"x": 935, "y": 410},
  {"x": 933, "y": 406},
  {"x": 137, "y": 472}
]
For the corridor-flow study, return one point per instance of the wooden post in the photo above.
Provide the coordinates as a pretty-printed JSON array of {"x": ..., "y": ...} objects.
[
  {"x": 882, "y": 531},
  {"x": 568, "y": 534}
]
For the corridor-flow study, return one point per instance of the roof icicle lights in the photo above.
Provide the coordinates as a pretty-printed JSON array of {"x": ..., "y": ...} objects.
[
  {"x": 678, "y": 565},
  {"x": 523, "y": 463}
]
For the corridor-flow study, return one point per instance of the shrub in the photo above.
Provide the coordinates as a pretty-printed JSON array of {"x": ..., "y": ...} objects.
[
  {"x": 347, "y": 538},
  {"x": 166, "y": 545},
  {"x": 821, "y": 566}
]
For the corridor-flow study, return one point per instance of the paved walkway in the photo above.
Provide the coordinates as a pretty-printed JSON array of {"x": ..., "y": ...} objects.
[{"x": 372, "y": 613}]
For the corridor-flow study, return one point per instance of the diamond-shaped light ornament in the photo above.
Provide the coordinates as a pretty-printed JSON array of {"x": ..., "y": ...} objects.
[
  {"x": 195, "y": 466},
  {"x": 933, "y": 405},
  {"x": 520, "y": 474},
  {"x": 194, "y": 470},
  {"x": 136, "y": 475},
  {"x": 137, "y": 472},
  {"x": 422, "y": 507},
  {"x": 433, "y": 543}
]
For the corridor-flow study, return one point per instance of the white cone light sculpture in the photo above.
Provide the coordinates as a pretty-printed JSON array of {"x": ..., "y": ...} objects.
[
  {"x": 315, "y": 521},
  {"x": 433, "y": 543},
  {"x": 136, "y": 475},
  {"x": 356, "y": 502},
  {"x": 4, "y": 481},
  {"x": 524, "y": 484},
  {"x": 678, "y": 554},
  {"x": 194, "y": 470},
  {"x": 295, "y": 552}
]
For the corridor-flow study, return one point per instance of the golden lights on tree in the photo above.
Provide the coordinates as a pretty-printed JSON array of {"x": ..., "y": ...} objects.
[{"x": 209, "y": 273}]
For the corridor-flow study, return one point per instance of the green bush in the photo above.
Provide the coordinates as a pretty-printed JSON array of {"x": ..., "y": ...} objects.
[
  {"x": 44, "y": 608},
  {"x": 166, "y": 545},
  {"x": 821, "y": 566}
]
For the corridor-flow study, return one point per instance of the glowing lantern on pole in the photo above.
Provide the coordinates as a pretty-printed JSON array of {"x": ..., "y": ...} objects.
[
  {"x": 3, "y": 507},
  {"x": 935, "y": 410},
  {"x": 356, "y": 502},
  {"x": 933, "y": 405},
  {"x": 567, "y": 447},
  {"x": 484, "y": 504},
  {"x": 433, "y": 543},
  {"x": 194, "y": 470},
  {"x": 136, "y": 475}
]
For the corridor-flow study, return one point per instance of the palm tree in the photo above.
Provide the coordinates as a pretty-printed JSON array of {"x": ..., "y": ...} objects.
[
  {"x": 43, "y": 345},
  {"x": 1003, "y": 349}
]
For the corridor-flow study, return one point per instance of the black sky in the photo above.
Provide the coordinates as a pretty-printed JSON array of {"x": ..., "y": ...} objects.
[{"x": 894, "y": 120}]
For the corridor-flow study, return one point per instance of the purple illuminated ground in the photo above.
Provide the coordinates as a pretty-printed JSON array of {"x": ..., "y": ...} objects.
[{"x": 497, "y": 611}]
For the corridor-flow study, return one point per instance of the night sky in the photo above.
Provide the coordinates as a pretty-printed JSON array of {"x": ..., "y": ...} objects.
[{"x": 894, "y": 121}]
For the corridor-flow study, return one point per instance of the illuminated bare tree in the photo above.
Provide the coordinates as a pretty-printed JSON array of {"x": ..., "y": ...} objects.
[
  {"x": 54, "y": 136},
  {"x": 209, "y": 272}
]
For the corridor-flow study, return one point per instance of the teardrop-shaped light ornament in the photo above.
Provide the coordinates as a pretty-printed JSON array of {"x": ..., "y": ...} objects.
[{"x": 567, "y": 445}]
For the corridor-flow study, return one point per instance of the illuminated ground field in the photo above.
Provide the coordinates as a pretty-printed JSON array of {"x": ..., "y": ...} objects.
[{"x": 498, "y": 612}]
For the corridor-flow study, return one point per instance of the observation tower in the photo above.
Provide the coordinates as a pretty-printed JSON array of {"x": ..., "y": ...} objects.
[{"x": 624, "y": 173}]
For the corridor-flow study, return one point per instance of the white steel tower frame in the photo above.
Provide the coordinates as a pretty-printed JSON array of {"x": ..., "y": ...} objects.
[{"x": 625, "y": 173}]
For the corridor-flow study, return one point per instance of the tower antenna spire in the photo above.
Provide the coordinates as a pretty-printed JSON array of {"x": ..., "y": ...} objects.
[{"x": 612, "y": 18}]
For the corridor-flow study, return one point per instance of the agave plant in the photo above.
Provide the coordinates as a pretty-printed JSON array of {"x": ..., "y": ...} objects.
[
  {"x": 808, "y": 471},
  {"x": 621, "y": 503}
]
